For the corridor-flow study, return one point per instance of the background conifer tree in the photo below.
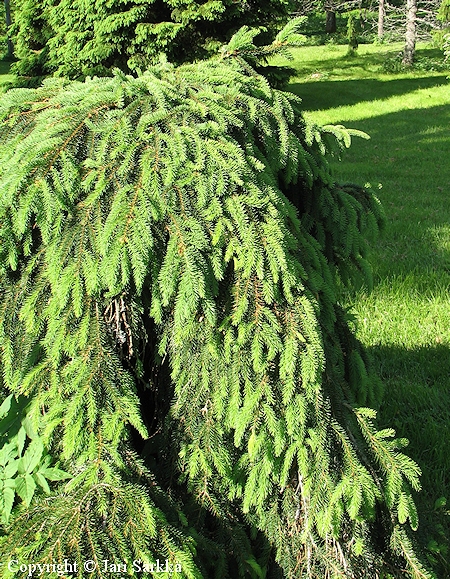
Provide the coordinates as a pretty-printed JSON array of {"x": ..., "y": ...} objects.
[
  {"x": 73, "y": 38},
  {"x": 171, "y": 251},
  {"x": 443, "y": 36},
  {"x": 444, "y": 12}
]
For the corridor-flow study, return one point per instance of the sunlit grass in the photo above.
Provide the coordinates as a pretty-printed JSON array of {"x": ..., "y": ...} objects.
[{"x": 405, "y": 321}]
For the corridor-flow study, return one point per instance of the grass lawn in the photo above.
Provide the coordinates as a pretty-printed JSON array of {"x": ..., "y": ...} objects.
[
  {"x": 5, "y": 77},
  {"x": 405, "y": 321}
]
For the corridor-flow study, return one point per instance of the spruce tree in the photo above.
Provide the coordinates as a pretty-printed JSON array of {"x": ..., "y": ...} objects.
[
  {"x": 73, "y": 38},
  {"x": 444, "y": 12},
  {"x": 443, "y": 35},
  {"x": 172, "y": 248}
]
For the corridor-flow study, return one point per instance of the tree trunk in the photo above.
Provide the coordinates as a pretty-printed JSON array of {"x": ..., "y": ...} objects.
[
  {"x": 8, "y": 24},
  {"x": 410, "y": 44},
  {"x": 381, "y": 15},
  {"x": 330, "y": 23}
]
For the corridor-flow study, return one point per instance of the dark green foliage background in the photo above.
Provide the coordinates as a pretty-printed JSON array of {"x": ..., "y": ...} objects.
[{"x": 74, "y": 38}]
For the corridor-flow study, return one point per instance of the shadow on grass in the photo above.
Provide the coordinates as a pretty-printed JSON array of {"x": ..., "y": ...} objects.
[
  {"x": 417, "y": 404},
  {"x": 335, "y": 93},
  {"x": 5, "y": 65},
  {"x": 6, "y": 78}
]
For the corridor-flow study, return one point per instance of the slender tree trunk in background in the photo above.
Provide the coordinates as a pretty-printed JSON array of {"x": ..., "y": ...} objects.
[
  {"x": 330, "y": 23},
  {"x": 381, "y": 15},
  {"x": 8, "y": 24},
  {"x": 410, "y": 44}
]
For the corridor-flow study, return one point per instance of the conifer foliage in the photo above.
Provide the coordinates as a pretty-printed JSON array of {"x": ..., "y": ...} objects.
[
  {"x": 77, "y": 37},
  {"x": 171, "y": 251}
]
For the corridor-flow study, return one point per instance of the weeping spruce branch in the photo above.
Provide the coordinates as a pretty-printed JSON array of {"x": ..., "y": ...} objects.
[{"x": 171, "y": 248}]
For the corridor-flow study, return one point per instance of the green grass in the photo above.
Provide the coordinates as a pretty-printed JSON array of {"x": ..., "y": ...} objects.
[
  {"x": 405, "y": 321},
  {"x": 5, "y": 77}
]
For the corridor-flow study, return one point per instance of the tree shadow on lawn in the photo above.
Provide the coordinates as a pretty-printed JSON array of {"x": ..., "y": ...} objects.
[
  {"x": 5, "y": 65},
  {"x": 326, "y": 94},
  {"x": 417, "y": 404}
]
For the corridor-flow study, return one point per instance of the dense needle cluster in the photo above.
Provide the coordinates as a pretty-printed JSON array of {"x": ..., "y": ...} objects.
[
  {"x": 75, "y": 38},
  {"x": 171, "y": 252}
]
